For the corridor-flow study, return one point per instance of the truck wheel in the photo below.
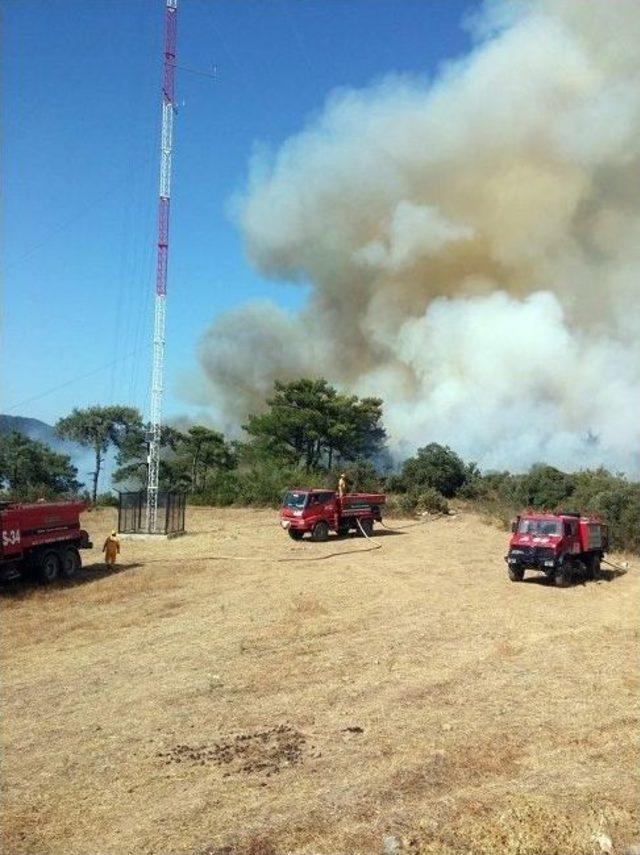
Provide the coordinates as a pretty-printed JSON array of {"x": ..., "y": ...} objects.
[
  {"x": 365, "y": 529},
  {"x": 320, "y": 531},
  {"x": 70, "y": 562},
  {"x": 593, "y": 567},
  {"x": 562, "y": 577},
  {"x": 516, "y": 574},
  {"x": 295, "y": 534},
  {"x": 49, "y": 567}
]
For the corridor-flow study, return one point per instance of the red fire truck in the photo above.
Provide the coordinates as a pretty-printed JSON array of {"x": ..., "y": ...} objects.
[
  {"x": 563, "y": 545},
  {"x": 44, "y": 537},
  {"x": 321, "y": 511}
]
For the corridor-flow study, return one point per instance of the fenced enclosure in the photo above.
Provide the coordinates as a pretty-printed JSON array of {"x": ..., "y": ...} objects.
[{"x": 132, "y": 512}]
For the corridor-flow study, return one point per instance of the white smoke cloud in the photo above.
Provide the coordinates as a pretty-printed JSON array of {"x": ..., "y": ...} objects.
[{"x": 473, "y": 247}]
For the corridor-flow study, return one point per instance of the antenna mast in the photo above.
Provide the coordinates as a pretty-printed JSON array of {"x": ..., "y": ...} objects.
[{"x": 157, "y": 381}]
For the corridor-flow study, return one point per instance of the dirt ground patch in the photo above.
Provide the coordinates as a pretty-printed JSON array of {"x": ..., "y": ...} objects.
[
  {"x": 264, "y": 752},
  {"x": 407, "y": 699}
]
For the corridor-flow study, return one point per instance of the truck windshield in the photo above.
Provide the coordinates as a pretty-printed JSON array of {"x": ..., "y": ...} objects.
[
  {"x": 296, "y": 501},
  {"x": 539, "y": 527}
]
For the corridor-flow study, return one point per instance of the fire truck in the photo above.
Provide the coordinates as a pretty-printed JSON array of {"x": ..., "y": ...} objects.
[
  {"x": 319, "y": 512},
  {"x": 44, "y": 537},
  {"x": 563, "y": 546}
]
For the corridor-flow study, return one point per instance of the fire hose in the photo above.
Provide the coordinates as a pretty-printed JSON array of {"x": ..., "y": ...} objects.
[
  {"x": 371, "y": 548},
  {"x": 340, "y": 554},
  {"x": 305, "y": 558},
  {"x": 350, "y": 551},
  {"x": 621, "y": 568}
]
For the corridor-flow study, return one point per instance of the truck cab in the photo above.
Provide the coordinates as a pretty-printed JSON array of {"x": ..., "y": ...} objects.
[{"x": 560, "y": 545}]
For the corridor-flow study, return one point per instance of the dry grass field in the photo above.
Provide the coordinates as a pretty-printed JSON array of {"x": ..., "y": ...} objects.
[{"x": 405, "y": 699}]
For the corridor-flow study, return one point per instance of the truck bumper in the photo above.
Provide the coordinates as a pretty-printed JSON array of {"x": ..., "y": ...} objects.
[
  {"x": 85, "y": 542},
  {"x": 297, "y": 525},
  {"x": 545, "y": 565},
  {"x": 10, "y": 572}
]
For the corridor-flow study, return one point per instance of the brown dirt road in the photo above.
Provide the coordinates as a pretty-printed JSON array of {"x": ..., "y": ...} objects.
[{"x": 185, "y": 705}]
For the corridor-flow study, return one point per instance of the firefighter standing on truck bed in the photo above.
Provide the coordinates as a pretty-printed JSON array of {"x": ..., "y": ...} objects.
[
  {"x": 343, "y": 486},
  {"x": 111, "y": 549}
]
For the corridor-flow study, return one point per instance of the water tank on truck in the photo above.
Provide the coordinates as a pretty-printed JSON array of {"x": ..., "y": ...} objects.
[{"x": 43, "y": 537}]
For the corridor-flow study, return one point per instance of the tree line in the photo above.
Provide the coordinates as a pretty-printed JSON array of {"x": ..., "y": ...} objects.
[
  {"x": 306, "y": 425},
  {"x": 306, "y": 435}
]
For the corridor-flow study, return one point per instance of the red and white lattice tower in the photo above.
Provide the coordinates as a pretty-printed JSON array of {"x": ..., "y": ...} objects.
[{"x": 157, "y": 383}]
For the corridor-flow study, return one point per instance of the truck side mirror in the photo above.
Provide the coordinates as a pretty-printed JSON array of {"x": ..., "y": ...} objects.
[{"x": 514, "y": 526}]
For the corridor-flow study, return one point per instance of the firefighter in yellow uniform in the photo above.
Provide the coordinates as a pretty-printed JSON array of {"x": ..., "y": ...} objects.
[
  {"x": 343, "y": 486},
  {"x": 111, "y": 549}
]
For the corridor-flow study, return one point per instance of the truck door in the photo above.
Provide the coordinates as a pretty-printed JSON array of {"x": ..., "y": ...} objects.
[
  {"x": 570, "y": 536},
  {"x": 330, "y": 508},
  {"x": 313, "y": 507}
]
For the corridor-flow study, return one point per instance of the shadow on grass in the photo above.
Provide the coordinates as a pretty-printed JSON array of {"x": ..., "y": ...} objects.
[
  {"x": 547, "y": 581},
  {"x": 376, "y": 533},
  {"x": 347, "y": 538},
  {"x": 28, "y": 584},
  {"x": 610, "y": 575}
]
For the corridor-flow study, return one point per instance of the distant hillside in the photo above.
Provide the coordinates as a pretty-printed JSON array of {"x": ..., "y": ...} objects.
[
  {"x": 41, "y": 431},
  {"x": 81, "y": 457},
  {"x": 45, "y": 433}
]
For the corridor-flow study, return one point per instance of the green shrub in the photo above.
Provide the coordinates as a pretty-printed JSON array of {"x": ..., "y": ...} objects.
[
  {"x": 497, "y": 510},
  {"x": 508, "y": 490},
  {"x": 391, "y": 506},
  {"x": 494, "y": 480},
  {"x": 620, "y": 507},
  {"x": 222, "y": 490},
  {"x": 407, "y": 503},
  {"x": 435, "y": 466},
  {"x": 545, "y": 488},
  {"x": 432, "y": 502},
  {"x": 474, "y": 488},
  {"x": 261, "y": 485},
  {"x": 395, "y": 484}
]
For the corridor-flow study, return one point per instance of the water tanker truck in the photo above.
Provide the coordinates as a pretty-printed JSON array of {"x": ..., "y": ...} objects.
[
  {"x": 44, "y": 537},
  {"x": 562, "y": 545},
  {"x": 319, "y": 512}
]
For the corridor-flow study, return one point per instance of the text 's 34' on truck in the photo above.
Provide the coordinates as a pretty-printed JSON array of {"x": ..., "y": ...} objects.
[
  {"x": 321, "y": 511},
  {"x": 43, "y": 537},
  {"x": 563, "y": 546}
]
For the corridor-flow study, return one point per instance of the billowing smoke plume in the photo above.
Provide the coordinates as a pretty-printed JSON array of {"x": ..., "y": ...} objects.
[{"x": 472, "y": 246}]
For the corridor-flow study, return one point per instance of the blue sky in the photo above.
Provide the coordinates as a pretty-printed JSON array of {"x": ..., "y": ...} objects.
[{"x": 80, "y": 102}]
